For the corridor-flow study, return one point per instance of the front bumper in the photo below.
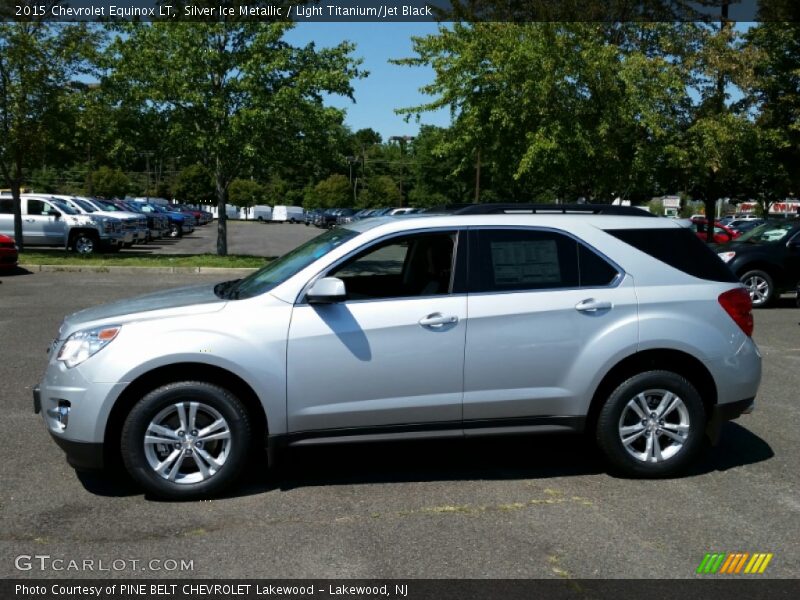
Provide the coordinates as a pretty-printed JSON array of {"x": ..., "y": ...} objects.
[
  {"x": 80, "y": 455},
  {"x": 83, "y": 456}
]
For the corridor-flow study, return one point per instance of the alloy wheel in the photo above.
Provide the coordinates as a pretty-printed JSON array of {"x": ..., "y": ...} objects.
[
  {"x": 758, "y": 288},
  {"x": 654, "y": 426},
  {"x": 187, "y": 442}
]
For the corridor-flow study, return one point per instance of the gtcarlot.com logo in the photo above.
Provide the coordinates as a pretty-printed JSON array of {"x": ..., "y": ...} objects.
[
  {"x": 734, "y": 563},
  {"x": 45, "y": 562}
]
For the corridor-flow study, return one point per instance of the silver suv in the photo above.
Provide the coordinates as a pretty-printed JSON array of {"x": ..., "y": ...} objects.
[{"x": 472, "y": 323}]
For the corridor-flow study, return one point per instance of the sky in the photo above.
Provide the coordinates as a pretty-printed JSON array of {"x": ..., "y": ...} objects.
[{"x": 388, "y": 86}]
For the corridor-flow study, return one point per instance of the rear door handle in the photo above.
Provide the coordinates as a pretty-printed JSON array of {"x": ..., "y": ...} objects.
[
  {"x": 438, "y": 320},
  {"x": 592, "y": 305}
]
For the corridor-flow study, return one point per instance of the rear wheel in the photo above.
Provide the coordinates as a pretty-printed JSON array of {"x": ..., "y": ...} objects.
[
  {"x": 652, "y": 425},
  {"x": 760, "y": 286},
  {"x": 186, "y": 440}
]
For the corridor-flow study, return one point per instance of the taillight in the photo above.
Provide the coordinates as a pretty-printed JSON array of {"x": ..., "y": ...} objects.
[{"x": 738, "y": 305}]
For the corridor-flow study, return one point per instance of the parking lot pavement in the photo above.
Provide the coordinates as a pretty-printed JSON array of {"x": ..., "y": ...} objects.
[
  {"x": 539, "y": 507},
  {"x": 244, "y": 237}
]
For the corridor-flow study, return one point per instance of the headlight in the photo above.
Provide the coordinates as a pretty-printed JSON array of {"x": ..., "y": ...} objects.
[
  {"x": 726, "y": 256},
  {"x": 83, "y": 344}
]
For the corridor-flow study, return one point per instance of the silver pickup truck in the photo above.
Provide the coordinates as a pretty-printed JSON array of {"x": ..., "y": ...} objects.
[{"x": 48, "y": 221}]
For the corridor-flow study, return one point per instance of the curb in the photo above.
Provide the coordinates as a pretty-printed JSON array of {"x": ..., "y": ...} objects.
[{"x": 117, "y": 269}]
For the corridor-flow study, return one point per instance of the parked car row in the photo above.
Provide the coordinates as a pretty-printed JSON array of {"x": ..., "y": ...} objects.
[
  {"x": 327, "y": 218},
  {"x": 86, "y": 225}
]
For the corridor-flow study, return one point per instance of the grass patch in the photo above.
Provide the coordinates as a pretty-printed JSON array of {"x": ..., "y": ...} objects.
[{"x": 134, "y": 259}]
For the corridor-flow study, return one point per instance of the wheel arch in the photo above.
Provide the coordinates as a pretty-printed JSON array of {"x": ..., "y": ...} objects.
[
  {"x": 187, "y": 371},
  {"x": 660, "y": 359},
  {"x": 760, "y": 264}
]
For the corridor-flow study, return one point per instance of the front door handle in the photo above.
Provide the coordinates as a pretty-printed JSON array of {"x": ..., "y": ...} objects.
[
  {"x": 592, "y": 305},
  {"x": 438, "y": 320}
]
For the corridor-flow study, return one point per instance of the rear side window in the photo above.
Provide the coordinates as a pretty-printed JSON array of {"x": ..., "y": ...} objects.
[
  {"x": 680, "y": 249},
  {"x": 6, "y": 207},
  {"x": 530, "y": 259},
  {"x": 516, "y": 259}
]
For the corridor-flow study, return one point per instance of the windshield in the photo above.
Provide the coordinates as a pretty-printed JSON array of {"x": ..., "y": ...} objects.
[
  {"x": 767, "y": 232},
  {"x": 84, "y": 205},
  {"x": 107, "y": 206},
  {"x": 63, "y": 206},
  {"x": 280, "y": 269}
]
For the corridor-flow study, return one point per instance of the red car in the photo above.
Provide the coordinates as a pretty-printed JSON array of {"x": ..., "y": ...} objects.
[
  {"x": 722, "y": 234},
  {"x": 8, "y": 252}
]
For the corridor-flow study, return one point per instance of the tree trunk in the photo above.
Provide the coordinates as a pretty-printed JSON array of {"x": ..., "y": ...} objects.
[
  {"x": 222, "y": 218},
  {"x": 477, "y": 198},
  {"x": 711, "y": 208},
  {"x": 17, "y": 202}
]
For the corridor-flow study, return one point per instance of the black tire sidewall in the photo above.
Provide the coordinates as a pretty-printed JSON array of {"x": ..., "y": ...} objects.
[
  {"x": 140, "y": 416},
  {"x": 607, "y": 431}
]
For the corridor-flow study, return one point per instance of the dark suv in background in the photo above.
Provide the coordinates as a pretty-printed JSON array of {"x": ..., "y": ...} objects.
[{"x": 766, "y": 259}]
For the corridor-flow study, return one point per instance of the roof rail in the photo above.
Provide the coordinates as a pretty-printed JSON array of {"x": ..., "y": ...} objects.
[{"x": 593, "y": 209}]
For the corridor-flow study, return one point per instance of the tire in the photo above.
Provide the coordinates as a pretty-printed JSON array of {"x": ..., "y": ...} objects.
[
  {"x": 175, "y": 231},
  {"x": 189, "y": 470},
  {"x": 676, "y": 438},
  {"x": 84, "y": 243},
  {"x": 761, "y": 287}
]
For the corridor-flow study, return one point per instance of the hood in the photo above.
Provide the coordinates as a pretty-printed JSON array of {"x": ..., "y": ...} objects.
[{"x": 181, "y": 301}]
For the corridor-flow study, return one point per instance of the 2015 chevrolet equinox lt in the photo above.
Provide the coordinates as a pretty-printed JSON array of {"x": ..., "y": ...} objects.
[{"x": 477, "y": 323}]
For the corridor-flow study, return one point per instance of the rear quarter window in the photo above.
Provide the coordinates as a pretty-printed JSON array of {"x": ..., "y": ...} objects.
[{"x": 680, "y": 249}]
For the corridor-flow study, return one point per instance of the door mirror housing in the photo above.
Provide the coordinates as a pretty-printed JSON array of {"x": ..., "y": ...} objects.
[
  {"x": 327, "y": 290},
  {"x": 55, "y": 214}
]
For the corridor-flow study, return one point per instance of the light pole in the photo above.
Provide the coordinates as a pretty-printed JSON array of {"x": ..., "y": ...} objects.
[{"x": 402, "y": 140}]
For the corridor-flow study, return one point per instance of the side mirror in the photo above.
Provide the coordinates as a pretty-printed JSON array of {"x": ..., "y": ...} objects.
[
  {"x": 327, "y": 290},
  {"x": 55, "y": 214}
]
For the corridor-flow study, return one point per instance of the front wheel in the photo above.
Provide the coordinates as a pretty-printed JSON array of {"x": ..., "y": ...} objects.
[
  {"x": 652, "y": 425},
  {"x": 186, "y": 440},
  {"x": 84, "y": 243},
  {"x": 760, "y": 286},
  {"x": 175, "y": 231}
]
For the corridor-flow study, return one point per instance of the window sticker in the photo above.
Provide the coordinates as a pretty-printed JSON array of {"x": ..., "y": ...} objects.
[{"x": 525, "y": 262}]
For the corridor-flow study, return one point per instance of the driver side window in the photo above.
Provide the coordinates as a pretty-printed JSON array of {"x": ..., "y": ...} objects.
[{"x": 407, "y": 266}]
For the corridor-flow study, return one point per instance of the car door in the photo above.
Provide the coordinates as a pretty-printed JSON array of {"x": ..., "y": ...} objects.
[
  {"x": 42, "y": 224},
  {"x": 391, "y": 354},
  {"x": 545, "y": 311}
]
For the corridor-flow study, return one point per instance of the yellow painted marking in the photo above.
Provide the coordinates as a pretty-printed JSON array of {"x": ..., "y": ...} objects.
[{"x": 767, "y": 558}]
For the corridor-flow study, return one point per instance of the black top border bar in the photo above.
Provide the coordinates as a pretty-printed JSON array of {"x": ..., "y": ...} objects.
[{"x": 442, "y": 11}]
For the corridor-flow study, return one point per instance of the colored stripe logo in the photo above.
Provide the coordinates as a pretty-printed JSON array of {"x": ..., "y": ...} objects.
[{"x": 734, "y": 563}]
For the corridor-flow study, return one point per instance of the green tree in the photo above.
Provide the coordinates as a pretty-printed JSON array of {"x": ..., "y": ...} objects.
[
  {"x": 236, "y": 93},
  {"x": 379, "y": 190},
  {"x": 110, "y": 183},
  {"x": 333, "y": 192},
  {"x": 38, "y": 61},
  {"x": 556, "y": 110},
  {"x": 194, "y": 184},
  {"x": 246, "y": 193},
  {"x": 774, "y": 92}
]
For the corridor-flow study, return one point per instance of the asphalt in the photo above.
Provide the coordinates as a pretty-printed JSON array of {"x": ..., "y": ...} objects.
[
  {"x": 244, "y": 237},
  {"x": 535, "y": 507}
]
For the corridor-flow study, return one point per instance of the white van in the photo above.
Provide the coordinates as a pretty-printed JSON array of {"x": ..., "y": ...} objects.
[
  {"x": 291, "y": 214},
  {"x": 259, "y": 212}
]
